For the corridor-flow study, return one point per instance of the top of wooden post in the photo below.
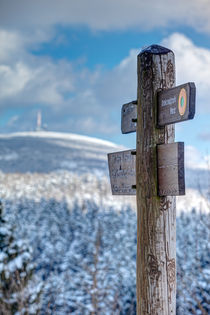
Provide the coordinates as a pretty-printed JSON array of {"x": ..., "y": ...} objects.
[{"x": 156, "y": 50}]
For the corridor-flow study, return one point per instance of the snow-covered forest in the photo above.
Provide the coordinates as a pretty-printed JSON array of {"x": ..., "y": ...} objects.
[
  {"x": 81, "y": 257},
  {"x": 69, "y": 247}
]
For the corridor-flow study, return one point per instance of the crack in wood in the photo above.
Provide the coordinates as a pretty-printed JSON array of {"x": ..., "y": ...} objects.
[
  {"x": 154, "y": 271},
  {"x": 164, "y": 204},
  {"x": 171, "y": 275}
]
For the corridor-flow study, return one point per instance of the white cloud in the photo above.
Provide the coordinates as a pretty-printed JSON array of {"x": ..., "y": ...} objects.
[
  {"x": 14, "y": 44},
  {"x": 82, "y": 100},
  {"x": 192, "y": 65},
  {"x": 106, "y": 14},
  {"x": 11, "y": 43},
  {"x": 13, "y": 79},
  {"x": 195, "y": 160},
  {"x": 26, "y": 79},
  {"x": 204, "y": 136},
  {"x": 90, "y": 96}
]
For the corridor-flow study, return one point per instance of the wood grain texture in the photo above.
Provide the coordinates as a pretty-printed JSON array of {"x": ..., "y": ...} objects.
[
  {"x": 122, "y": 171},
  {"x": 171, "y": 179},
  {"x": 156, "y": 216},
  {"x": 169, "y": 103},
  {"x": 129, "y": 117}
]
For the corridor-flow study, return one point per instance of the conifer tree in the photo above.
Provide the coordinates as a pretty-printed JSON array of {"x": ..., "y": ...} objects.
[{"x": 16, "y": 296}]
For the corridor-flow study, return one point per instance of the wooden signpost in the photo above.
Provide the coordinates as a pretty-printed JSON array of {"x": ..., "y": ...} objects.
[{"x": 155, "y": 173}]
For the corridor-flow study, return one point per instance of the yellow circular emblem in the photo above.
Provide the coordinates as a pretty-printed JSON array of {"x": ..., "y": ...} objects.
[{"x": 182, "y": 101}]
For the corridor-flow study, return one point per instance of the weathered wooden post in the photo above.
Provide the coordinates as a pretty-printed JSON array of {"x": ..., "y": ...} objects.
[
  {"x": 155, "y": 173},
  {"x": 156, "y": 216}
]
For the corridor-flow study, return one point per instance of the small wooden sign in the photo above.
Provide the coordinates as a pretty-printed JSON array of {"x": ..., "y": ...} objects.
[
  {"x": 176, "y": 104},
  {"x": 171, "y": 179},
  {"x": 129, "y": 117},
  {"x": 122, "y": 171}
]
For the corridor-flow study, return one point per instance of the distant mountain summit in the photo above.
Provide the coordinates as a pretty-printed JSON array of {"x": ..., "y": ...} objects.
[{"x": 44, "y": 152}]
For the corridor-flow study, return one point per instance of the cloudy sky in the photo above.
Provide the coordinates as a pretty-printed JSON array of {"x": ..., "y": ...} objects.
[{"x": 76, "y": 62}]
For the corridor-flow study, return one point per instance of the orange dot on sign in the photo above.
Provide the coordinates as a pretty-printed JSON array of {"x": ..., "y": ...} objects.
[{"x": 182, "y": 101}]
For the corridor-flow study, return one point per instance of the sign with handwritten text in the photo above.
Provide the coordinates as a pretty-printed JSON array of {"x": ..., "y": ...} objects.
[{"x": 122, "y": 171}]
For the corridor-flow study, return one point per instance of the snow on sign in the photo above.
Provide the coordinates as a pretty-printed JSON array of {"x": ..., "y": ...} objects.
[
  {"x": 122, "y": 170},
  {"x": 176, "y": 104}
]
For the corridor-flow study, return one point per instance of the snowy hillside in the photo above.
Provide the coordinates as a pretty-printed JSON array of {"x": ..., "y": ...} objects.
[
  {"x": 44, "y": 152},
  {"x": 48, "y": 164}
]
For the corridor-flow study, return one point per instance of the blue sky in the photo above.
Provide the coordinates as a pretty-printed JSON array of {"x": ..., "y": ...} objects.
[{"x": 76, "y": 62}]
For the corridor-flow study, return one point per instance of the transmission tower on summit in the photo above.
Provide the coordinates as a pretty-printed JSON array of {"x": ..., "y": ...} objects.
[
  {"x": 39, "y": 121},
  {"x": 39, "y": 126}
]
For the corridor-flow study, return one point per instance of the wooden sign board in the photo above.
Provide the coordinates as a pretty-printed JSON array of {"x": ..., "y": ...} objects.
[
  {"x": 176, "y": 104},
  {"x": 129, "y": 117},
  {"x": 122, "y": 171},
  {"x": 171, "y": 179}
]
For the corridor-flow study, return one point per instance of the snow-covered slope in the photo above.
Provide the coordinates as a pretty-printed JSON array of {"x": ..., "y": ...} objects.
[
  {"x": 48, "y": 164},
  {"x": 44, "y": 152}
]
